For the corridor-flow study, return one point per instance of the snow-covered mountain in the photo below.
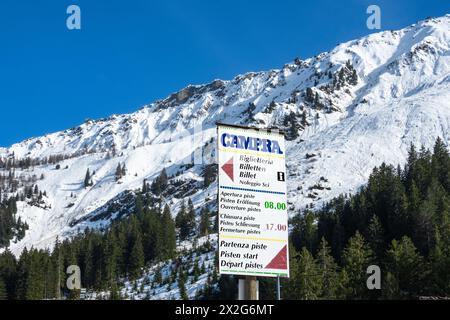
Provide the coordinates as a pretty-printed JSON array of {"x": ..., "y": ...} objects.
[{"x": 344, "y": 111}]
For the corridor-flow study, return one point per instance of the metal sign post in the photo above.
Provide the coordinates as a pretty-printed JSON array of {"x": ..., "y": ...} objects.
[{"x": 278, "y": 289}]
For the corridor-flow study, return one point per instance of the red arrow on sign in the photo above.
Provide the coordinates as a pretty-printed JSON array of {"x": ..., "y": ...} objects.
[
  {"x": 228, "y": 168},
  {"x": 280, "y": 260}
]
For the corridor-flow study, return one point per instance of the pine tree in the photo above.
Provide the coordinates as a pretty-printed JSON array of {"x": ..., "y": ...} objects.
[
  {"x": 407, "y": 266},
  {"x": 390, "y": 289},
  {"x": 87, "y": 179},
  {"x": 425, "y": 220},
  {"x": 343, "y": 285},
  {"x": 410, "y": 168},
  {"x": 160, "y": 184},
  {"x": 110, "y": 261},
  {"x": 327, "y": 268},
  {"x": 337, "y": 239},
  {"x": 114, "y": 292},
  {"x": 22, "y": 272},
  {"x": 309, "y": 95},
  {"x": 291, "y": 122},
  {"x": 250, "y": 111},
  {"x": 307, "y": 281},
  {"x": 440, "y": 264},
  {"x": 58, "y": 266},
  {"x": 190, "y": 218},
  {"x": 357, "y": 257},
  {"x": 209, "y": 174},
  {"x": 168, "y": 234},
  {"x": 152, "y": 237},
  {"x": 163, "y": 180},
  {"x": 354, "y": 77},
  {"x": 424, "y": 171},
  {"x": 441, "y": 163},
  {"x": 317, "y": 104},
  {"x": 180, "y": 219},
  {"x": 144, "y": 187},
  {"x": 375, "y": 236},
  {"x": 139, "y": 205},
  {"x": 185, "y": 220},
  {"x": 88, "y": 261},
  {"x": 414, "y": 201},
  {"x": 304, "y": 233},
  {"x": 119, "y": 172},
  {"x": 182, "y": 285},
  {"x": 8, "y": 273},
  {"x": 205, "y": 224},
  {"x": 50, "y": 278},
  {"x": 196, "y": 270},
  {"x": 136, "y": 258},
  {"x": 304, "y": 118}
]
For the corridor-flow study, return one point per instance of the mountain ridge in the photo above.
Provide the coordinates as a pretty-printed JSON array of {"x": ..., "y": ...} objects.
[{"x": 344, "y": 111}]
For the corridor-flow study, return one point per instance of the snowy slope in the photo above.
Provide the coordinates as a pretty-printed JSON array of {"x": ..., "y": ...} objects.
[{"x": 339, "y": 129}]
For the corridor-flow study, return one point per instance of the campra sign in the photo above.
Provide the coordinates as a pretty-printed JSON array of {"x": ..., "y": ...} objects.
[
  {"x": 250, "y": 143},
  {"x": 253, "y": 219}
]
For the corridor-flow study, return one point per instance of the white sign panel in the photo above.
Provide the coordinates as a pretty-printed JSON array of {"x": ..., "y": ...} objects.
[{"x": 253, "y": 218}]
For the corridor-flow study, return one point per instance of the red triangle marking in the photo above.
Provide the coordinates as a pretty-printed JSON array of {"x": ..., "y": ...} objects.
[
  {"x": 228, "y": 169},
  {"x": 280, "y": 260}
]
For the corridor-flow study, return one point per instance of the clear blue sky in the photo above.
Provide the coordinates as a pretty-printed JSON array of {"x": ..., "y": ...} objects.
[{"x": 130, "y": 53}]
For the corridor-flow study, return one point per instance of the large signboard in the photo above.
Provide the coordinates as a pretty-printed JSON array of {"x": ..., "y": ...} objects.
[{"x": 253, "y": 218}]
